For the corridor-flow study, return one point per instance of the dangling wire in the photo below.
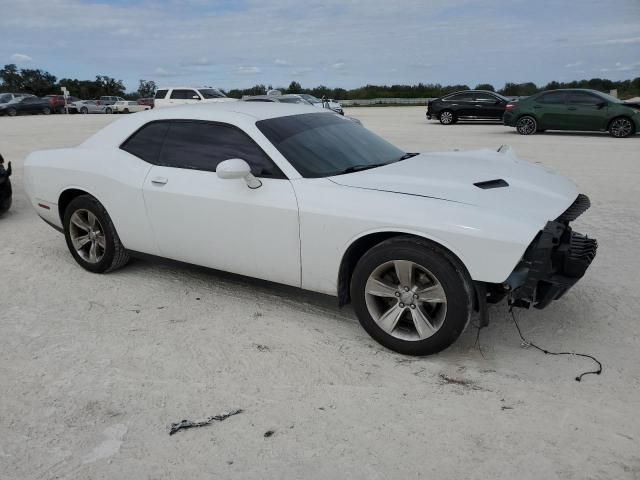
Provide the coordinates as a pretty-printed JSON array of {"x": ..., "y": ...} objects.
[{"x": 526, "y": 343}]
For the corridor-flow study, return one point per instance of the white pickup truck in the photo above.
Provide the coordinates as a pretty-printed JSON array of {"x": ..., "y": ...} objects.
[{"x": 167, "y": 97}]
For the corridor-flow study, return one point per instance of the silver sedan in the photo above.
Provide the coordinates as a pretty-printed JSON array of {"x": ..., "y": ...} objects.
[{"x": 89, "y": 106}]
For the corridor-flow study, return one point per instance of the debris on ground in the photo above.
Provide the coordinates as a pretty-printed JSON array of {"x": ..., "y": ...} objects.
[
  {"x": 184, "y": 424},
  {"x": 262, "y": 348},
  {"x": 447, "y": 380},
  {"x": 269, "y": 433}
]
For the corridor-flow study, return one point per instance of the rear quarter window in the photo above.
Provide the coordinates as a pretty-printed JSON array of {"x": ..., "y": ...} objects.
[
  {"x": 146, "y": 143},
  {"x": 161, "y": 93}
]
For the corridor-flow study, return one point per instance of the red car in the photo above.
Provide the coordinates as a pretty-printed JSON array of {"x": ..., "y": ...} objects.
[
  {"x": 57, "y": 102},
  {"x": 146, "y": 101}
]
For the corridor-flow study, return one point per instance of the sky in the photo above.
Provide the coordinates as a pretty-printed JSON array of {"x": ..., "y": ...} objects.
[{"x": 337, "y": 43}]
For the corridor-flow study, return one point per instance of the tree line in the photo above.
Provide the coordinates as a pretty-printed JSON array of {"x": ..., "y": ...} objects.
[{"x": 40, "y": 83}]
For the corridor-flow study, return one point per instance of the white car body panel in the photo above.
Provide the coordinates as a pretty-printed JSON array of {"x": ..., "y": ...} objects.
[{"x": 296, "y": 231}]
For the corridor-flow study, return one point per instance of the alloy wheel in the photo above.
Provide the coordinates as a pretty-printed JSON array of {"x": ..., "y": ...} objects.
[
  {"x": 526, "y": 126},
  {"x": 87, "y": 236},
  {"x": 446, "y": 117},
  {"x": 621, "y": 127},
  {"x": 406, "y": 300}
]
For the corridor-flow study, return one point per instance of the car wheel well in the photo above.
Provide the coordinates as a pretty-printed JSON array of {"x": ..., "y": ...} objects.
[
  {"x": 363, "y": 244},
  {"x": 65, "y": 199},
  {"x": 626, "y": 117}
]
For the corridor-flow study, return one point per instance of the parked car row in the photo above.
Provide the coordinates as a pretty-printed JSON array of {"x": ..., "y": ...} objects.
[
  {"x": 13, "y": 104},
  {"x": 567, "y": 109},
  {"x": 301, "y": 99}
]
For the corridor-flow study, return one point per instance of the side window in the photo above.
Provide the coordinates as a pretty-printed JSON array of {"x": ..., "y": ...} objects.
[
  {"x": 161, "y": 93},
  {"x": 146, "y": 143},
  {"x": 552, "y": 98},
  {"x": 484, "y": 97},
  {"x": 583, "y": 98},
  {"x": 184, "y": 95},
  {"x": 202, "y": 146},
  {"x": 459, "y": 97}
]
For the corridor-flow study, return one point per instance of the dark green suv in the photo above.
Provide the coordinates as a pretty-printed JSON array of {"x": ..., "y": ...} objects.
[{"x": 575, "y": 109}]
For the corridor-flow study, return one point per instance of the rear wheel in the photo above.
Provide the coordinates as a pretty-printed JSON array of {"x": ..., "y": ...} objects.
[
  {"x": 621, "y": 127},
  {"x": 84, "y": 110},
  {"x": 447, "y": 117},
  {"x": 108, "y": 110},
  {"x": 126, "y": 110},
  {"x": 46, "y": 110},
  {"x": 526, "y": 125},
  {"x": 12, "y": 112},
  {"x": 91, "y": 237},
  {"x": 411, "y": 296}
]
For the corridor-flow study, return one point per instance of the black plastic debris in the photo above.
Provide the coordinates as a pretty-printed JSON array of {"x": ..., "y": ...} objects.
[
  {"x": 269, "y": 433},
  {"x": 184, "y": 424}
]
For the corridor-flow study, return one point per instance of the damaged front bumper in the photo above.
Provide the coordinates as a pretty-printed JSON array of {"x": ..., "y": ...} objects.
[{"x": 556, "y": 259}]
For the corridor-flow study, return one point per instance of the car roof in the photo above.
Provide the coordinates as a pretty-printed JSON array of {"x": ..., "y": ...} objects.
[{"x": 228, "y": 112}]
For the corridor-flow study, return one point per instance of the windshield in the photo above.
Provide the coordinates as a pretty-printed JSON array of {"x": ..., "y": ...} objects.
[
  {"x": 310, "y": 98},
  {"x": 326, "y": 144},
  {"x": 293, "y": 100},
  {"x": 211, "y": 93},
  {"x": 610, "y": 98}
]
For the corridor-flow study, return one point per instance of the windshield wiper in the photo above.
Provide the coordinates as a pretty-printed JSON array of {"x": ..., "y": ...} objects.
[
  {"x": 359, "y": 168},
  {"x": 408, "y": 155}
]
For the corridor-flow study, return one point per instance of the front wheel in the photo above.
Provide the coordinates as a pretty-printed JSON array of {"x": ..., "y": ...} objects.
[
  {"x": 526, "y": 125},
  {"x": 411, "y": 296},
  {"x": 108, "y": 110},
  {"x": 621, "y": 127},
  {"x": 84, "y": 110},
  {"x": 447, "y": 117},
  {"x": 46, "y": 111},
  {"x": 12, "y": 112},
  {"x": 91, "y": 237}
]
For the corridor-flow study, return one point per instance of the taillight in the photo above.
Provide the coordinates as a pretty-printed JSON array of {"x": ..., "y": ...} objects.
[{"x": 510, "y": 106}]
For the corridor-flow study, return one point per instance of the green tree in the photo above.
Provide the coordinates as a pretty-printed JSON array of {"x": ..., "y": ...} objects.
[
  {"x": 485, "y": 86},
  {"x": 294, "y": 87},
  {"x": 147, "y": 88},
  {"x": 11, "y": 78},
  {"x": 37, "y": 82}
]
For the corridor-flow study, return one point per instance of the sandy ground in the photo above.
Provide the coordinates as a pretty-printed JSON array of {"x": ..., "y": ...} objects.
[{"x": 93, "y": 368}]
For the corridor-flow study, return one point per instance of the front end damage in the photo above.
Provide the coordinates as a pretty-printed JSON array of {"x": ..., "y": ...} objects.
[{"x": 554, "y": 261}]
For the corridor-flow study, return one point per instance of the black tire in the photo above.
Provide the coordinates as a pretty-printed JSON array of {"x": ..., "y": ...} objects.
[
  {"x": 527, "y": 125},
  {"x": 447, "y": 117},
  {"x": 114, "y": 254},
  {"x": 126, "y": 110},
  {"x": 84, "y": 110},
  {"x": 12, "y": 112},
  {"x": 46, "y": 110},
  {"x": 451, "y": 275},
  {"x": 621, "y": 127},
  {"x": 5, "y": 195},
  {"x": 108, "y": 110}
]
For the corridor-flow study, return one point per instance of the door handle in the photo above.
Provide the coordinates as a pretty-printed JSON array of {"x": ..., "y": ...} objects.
[
  {"x": 572, "y": 108},
  {"x": 159, "y": 180},
  {"x": 537, "y": 106}
]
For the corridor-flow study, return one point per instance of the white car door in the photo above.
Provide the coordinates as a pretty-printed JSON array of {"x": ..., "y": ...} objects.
[{"x": 200, "y": 218}]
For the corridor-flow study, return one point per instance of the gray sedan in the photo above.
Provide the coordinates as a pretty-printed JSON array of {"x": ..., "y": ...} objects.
[{"x": 89, "y": 106}]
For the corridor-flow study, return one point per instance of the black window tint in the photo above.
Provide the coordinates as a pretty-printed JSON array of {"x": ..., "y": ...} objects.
[
  {"x": 484, "y": 97},
  {"x": 161, "y": 93},
  {"x": 202, "y": 146},
  {"x": 583, "y": 98},
  {"x": 460, "y": 97},
  {"x": 147, "y": 142},
  {"x": 553, "y": 97},
  {"x": 258, "y": 100},
  {"x": 184, "y": 94}
]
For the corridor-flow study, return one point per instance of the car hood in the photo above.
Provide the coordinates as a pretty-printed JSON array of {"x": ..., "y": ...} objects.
[{"x": 495, "y": 180}]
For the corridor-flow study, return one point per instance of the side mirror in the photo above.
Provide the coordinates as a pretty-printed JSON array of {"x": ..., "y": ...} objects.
[{"x": 236, "y": 168}]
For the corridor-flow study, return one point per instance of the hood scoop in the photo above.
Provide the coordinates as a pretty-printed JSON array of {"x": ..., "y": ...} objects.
[{"x": 489, "y": 184}]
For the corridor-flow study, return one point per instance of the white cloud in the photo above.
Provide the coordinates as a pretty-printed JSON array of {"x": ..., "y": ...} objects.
[
  {"x": 338, "y": 65},
  {"x": 248, "y": 70},
  {"x": 281, "y": 63},
  {"x": 619, "y": 41},
  {"x": 163, "y": 72},
  {"x": 574, "y": 64},
  {"x": 21, "y": 58}
]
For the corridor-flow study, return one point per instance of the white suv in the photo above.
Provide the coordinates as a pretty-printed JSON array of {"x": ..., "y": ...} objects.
[{"x": 166, "y": 97}]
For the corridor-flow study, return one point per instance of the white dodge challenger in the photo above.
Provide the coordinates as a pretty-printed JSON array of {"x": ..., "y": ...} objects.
[{"x": 290, "y": 194}]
